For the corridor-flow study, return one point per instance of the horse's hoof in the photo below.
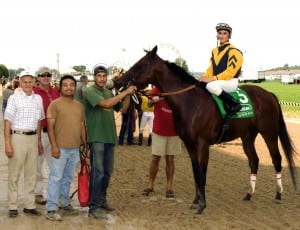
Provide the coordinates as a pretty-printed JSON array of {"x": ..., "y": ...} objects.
[
  {"x": 194, "y": 206},
  {"x": 247, "y": 197},
  {"x": 200, "y": 210},
  {"x": 278, "y": 198}
]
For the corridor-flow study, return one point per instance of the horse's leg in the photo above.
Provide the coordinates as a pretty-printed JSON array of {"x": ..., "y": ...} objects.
[
  {"x": 199, "y": 163},
  {"x": 272, "y": 143},
  {"x": 249, "y": 149},
  {"x": 195, "y": 203}
]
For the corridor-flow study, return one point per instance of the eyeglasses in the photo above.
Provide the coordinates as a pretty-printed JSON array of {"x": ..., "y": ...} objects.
[{"x": 45, "y": 75}]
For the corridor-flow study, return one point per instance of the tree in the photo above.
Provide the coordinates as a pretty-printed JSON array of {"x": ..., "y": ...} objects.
[
  {"x": 80, "y": 68},
  {"x": 3, "y": 71},
  {"x": 12, "y": 72},
  {"x": 182, "y": 63}
]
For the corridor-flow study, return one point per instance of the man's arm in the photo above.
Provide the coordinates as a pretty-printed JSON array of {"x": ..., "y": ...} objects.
[
  {"x": 9, "y": 151},
  {"x": 110, "y": 102},
  {"x": 39, "y": 134},
  {"x": 54, "y": 148},
  {"x": 83, "y": 138}
]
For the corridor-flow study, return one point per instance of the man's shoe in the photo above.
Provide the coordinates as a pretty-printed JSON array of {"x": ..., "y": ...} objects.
[
  {"x": 40, "y": 199},
  {"x": 53, "y": 215},
  {"x": 12, "y": 213},
  {"x": 69, "y": 209},
  {"x": 33, "y": 211},
  {"x": 98, "y": 215},
  {"x": 107, "y": 207},
  {"x": 147, "y": 191},
  {"x": 169, "y": 193}
]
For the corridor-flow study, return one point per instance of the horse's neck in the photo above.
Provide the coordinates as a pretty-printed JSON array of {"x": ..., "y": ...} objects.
[{"x": 171, "y": 84}]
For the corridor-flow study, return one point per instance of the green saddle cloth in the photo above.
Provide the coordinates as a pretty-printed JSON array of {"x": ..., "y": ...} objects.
[{"x": 243, "y": 98}]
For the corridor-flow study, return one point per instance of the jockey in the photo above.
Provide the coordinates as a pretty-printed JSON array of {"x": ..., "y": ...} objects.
[{"x": 225, "y": 66}]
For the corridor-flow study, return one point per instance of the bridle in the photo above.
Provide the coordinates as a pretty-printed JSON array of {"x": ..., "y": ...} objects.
[{"x": 133, "y": 96}]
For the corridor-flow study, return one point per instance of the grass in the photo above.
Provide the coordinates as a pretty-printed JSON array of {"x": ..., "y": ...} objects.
[{"x": 285, "y": 93}]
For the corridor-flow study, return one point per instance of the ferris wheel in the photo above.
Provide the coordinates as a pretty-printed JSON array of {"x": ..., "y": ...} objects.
[{"x": 168, "y": 52}]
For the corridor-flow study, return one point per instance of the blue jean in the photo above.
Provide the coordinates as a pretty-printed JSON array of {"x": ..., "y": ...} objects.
[
  {"x": 102, "y": 164},
  {"x": 60, "y": 178}
]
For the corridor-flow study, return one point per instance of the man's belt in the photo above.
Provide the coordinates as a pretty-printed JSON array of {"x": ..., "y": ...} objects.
[
  {"x": 45, "y": 129},
  {"x": 23, "y": 132}
]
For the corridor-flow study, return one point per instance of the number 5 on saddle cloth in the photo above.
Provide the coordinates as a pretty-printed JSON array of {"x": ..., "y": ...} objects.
[{"x": 245, "y": 101}]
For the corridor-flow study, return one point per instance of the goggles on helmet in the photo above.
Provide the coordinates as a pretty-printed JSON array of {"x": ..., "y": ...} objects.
[{"x": 223, "y": 26}]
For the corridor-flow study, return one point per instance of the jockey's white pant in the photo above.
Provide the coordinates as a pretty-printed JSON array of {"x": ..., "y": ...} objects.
[
  {"x": 147, "y": 117},
  {"x": 216, "y": 87}
]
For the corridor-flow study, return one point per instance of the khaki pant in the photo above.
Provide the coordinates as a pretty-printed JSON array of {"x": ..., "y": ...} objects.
[
  {"x": 25, "y": 149},
  {"x": 39, "y": 187}
]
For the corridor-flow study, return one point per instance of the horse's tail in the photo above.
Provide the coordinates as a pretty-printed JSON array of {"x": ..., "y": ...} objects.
[{"x": 287, "y": 145}]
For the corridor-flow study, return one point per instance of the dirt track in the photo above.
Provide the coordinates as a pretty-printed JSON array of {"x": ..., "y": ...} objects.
[{"x": 227, "y": 183}]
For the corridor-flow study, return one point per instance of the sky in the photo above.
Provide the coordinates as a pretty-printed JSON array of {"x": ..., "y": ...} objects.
[{"x": 64, "y": 33}]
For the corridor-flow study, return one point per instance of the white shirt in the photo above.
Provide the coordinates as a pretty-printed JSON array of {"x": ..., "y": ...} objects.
[{"x": 24, "y": 111}]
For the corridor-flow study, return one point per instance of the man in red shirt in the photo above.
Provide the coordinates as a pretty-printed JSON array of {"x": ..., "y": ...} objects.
[
  {"x": 165, "y": 142},
  {"x": 48, "y": 94}
]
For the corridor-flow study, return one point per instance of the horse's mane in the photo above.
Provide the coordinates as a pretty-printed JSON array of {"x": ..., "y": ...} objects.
[{"x": 185, "y": 76}]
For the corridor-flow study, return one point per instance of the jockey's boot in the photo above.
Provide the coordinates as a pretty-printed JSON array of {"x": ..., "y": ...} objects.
[
  {"x": 140, "y": 142},
  {"x": 150, "y": 140},
  {"x": 232, "y": 106}
]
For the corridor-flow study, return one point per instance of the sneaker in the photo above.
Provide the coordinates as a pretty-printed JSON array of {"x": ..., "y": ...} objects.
[
  {"x": 53, "y": 215},
  {"x": 169, "y": 193},
  {"x": 98, "y": 215},
  {"x": 40, "y": 199},
  {"x": 13, "y": 213},
  {"x": 107, "y": 207},
  {"x": 69, "y": 209},
  {"x": 147, "y": 191}
]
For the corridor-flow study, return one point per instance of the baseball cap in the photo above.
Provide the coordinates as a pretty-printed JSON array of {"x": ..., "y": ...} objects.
[
  {"x": 26, "y": 73},
  {"x": 99, "y": 69},
  {"x": 43, "y": 70}
]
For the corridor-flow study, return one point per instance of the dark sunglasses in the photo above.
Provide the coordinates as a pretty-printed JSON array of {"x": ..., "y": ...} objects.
[{"x": 45, "y": 75}]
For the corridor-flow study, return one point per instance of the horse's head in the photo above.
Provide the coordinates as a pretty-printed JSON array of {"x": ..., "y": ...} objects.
[{"x": 141, "y": 73}]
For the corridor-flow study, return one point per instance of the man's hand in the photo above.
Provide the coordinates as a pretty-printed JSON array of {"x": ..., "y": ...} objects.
[
  {"x": 9, "y": 151},
  {"x": 55, "y": 152},
  {"x": 40, "y": 148},
  {"x": 131, "y": 89}
]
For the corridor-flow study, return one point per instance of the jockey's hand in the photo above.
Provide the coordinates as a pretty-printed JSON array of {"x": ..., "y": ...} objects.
[{"x": 207, "y": 79}]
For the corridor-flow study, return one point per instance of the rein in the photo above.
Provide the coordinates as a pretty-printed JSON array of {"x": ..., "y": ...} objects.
[{"x": 178, "y": 91}]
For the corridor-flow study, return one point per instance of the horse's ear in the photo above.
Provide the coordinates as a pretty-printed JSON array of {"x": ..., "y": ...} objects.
[{"x": 154, "y": 50}]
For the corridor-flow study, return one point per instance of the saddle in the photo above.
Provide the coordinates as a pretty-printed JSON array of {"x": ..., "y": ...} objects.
[{"x": 246, "y": 111}]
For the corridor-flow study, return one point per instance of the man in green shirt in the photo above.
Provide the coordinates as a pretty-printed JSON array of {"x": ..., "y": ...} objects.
[{"x": 100, "y": 104}]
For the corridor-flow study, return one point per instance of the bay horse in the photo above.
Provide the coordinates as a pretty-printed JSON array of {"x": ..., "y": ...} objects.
[{"x": 199, "y": 123}]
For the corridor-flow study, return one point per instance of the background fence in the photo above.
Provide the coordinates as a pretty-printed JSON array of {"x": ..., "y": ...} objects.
[{"x": 290, "y": 109}]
